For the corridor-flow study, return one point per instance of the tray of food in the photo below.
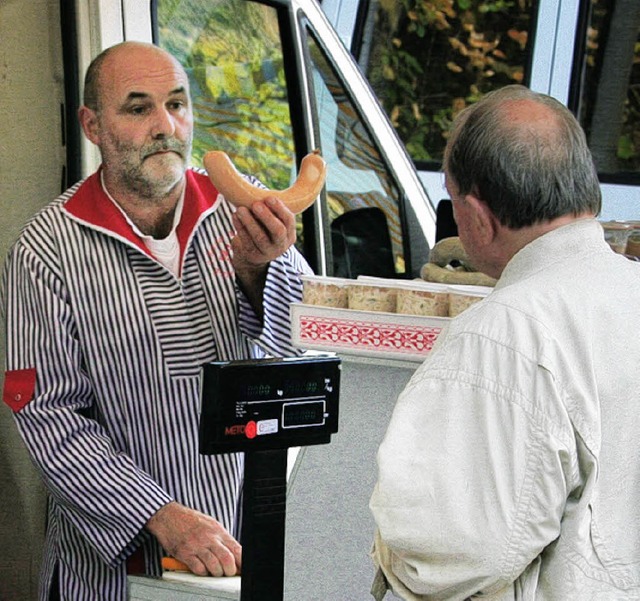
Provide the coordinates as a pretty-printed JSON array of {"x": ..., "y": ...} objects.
[{"x": 377, "y": 317}]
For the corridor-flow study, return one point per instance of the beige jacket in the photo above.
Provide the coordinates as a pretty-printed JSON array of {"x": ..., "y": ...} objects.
[{"x": 511, "y": 465}]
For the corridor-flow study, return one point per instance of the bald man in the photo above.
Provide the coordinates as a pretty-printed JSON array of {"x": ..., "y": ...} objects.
[
  {"x": 115, "y": 295},
  {"x": 510, "y": 468}
]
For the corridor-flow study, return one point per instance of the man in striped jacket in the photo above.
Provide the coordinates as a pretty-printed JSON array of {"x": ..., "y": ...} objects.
[{"x": 114, "y": 296}]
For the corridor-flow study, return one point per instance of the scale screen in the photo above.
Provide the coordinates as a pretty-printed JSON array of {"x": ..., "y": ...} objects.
[
  {"x": 269, "y": 403},
  {"x": 300, "y": 414}
]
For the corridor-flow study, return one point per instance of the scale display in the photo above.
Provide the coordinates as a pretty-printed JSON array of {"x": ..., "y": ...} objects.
[
  {"x": 303, "y": 413},
  {"x": 268, "y": 403}
]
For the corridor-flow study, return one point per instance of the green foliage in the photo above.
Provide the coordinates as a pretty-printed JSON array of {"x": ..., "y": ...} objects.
[
  {"x": 433, "y": 57},
  {"x": 626, "y": 148}
]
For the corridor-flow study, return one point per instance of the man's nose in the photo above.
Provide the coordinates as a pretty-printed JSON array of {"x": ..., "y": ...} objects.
[{"x": 163, "y": 125}]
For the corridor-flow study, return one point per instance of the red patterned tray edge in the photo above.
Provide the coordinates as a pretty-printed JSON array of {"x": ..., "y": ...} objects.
[{"x": 363, "y": 332}]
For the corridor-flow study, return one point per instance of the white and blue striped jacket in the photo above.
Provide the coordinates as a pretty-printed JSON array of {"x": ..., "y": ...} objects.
[{"x": 104, "y": 348}]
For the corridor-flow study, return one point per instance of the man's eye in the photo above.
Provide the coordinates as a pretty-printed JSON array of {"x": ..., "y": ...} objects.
[
  {"x": 137, "y": 110},
  {"x": 176, "y": 105}
]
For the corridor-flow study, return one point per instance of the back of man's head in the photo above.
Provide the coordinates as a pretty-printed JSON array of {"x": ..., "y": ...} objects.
[{"x": 525, "y": 155}]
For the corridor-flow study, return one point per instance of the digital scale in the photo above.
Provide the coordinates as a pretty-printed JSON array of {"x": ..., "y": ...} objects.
[{"x": 261, "y": 408}]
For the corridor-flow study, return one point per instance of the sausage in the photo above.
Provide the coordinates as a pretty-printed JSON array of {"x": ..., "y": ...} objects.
[
  {"x": 448, "y": 250},
  {"x": 171, "y": 564},
  {"x": 239, "y": 192},
  {"x": 174, "y": 565},
  {"x": 434, "y": 273}
]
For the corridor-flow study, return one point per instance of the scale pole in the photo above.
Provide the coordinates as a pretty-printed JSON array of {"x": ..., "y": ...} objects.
[{"x": 263, "y": 525}]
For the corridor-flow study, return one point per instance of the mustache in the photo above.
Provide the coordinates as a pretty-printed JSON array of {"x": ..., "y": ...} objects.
[{"x": 170, "y": 144}]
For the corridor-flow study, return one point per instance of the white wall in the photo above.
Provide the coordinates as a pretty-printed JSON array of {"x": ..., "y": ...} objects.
[{"x": 31, "y": 159}]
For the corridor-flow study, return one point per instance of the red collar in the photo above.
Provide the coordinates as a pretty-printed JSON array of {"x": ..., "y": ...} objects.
[{"x": 91, "y": 206}]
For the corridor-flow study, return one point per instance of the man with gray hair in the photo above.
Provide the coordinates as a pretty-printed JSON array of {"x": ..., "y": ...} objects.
[{"x": 510, "y": 468}]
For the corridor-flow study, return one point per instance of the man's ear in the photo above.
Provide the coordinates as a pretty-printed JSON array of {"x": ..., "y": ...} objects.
[
  {"x": 89, "y": 123},
  {"x": 484, "y": 221}
]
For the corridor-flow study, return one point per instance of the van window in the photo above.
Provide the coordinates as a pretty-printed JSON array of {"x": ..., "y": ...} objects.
[
  {"x": 233, "y": 55},
  {"x": 606, "y": 87},
  {"x": 363, "y": 200},
  {"x": 253, "y": 101},
  {"x": 428, "y": 60}
]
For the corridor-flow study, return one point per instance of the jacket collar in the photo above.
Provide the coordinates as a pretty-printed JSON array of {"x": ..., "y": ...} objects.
[{"x": 93, "y": 208}]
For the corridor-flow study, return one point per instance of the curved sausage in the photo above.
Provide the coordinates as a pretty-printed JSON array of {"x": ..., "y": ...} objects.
[{"x": 239, "y": 192}]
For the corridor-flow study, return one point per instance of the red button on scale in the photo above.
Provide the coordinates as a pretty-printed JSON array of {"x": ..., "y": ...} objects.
[{"x": 251, "y": 429}]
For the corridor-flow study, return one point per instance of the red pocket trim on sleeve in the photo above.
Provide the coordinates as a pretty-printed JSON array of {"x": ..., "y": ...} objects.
[{"x": 19, "y": 387}]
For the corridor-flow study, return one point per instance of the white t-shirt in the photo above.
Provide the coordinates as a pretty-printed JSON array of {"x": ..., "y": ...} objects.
[{"x": 165, "y": 250}]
